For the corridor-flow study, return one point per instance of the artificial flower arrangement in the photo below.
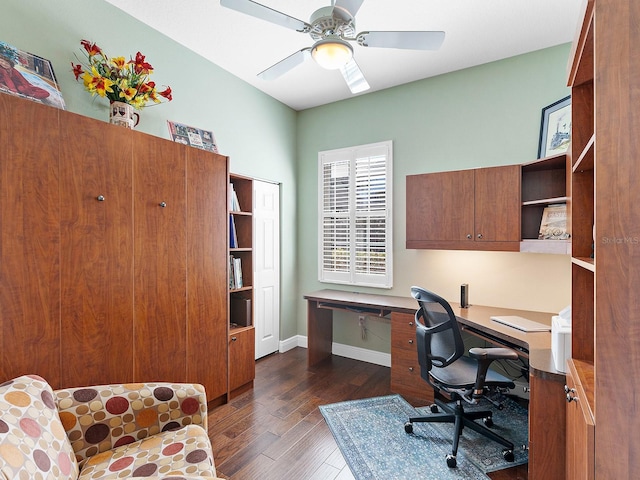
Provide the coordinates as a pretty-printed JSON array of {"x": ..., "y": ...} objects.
[{"x": 117, "y": 79}]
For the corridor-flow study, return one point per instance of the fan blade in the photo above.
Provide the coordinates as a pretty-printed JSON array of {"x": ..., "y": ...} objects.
[
  {"x": 283, "y": 66},
  {"x": 265, "y": 13},
  {"x": 406, "y": 40},
  {"x": 351, "y": 6},
  {"x": 354, "y": 77}
]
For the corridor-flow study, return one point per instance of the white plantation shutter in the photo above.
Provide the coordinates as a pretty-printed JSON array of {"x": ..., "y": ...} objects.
[{"x": 355, "y": 215}]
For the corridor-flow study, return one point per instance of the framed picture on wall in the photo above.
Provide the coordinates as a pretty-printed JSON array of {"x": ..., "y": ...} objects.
[
  {"x": 555, "y": 128},
  {"x": 29, "y": 76}
]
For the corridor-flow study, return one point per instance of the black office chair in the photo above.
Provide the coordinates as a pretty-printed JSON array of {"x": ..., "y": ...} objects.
[{"x": 465, "y": 379}]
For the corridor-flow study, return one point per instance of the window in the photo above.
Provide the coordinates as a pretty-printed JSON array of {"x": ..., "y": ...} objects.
[{"x": 355, "y": 221}]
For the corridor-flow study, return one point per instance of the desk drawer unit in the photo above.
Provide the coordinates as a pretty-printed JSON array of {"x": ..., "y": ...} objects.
[{"x": 405, "y": 370}]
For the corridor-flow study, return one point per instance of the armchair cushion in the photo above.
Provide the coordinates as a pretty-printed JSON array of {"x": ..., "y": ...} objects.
[
  {"x": 183, "y": 453},
  {"x": 33, "y": 443}
]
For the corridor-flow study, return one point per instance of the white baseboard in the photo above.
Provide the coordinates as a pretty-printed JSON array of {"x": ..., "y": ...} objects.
[{"x": 356, "y": 353}]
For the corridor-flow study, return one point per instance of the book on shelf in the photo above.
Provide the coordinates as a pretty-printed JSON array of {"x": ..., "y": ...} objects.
[
  {"x": 233, "y": 238},
  {"x": 553, "y": 225},
  {"x": 237, "y": 272},
  {"x": 234, "y": 204}
]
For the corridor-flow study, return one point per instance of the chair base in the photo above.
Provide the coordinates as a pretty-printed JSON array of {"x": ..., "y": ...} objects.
[{"x": 461, "y": 419}]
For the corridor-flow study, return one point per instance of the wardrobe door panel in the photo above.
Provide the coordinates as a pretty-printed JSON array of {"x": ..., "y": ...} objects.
[
  {"x": 207, "y": 280},
  {"x": 96, "y": 253},
  {"x": 29, "y": 240},
  {"x": 159, "y": 259}
]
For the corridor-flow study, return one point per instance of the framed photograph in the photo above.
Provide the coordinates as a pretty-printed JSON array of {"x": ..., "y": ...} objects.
[
  {"x": 192, "y": 136},
  {"x": 29, "y": 76},
  {"x": 555, "y": 128}
]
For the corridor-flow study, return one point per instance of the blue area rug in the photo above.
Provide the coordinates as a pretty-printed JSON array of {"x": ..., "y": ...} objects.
[{"x": 371, "y": 437}]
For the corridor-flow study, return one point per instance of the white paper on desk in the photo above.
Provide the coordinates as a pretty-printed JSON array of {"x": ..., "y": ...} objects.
[{"x": 521, "y": 323}]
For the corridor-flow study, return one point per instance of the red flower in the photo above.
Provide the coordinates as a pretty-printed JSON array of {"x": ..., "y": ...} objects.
[
  {"x": 77, "y": 70},
  {"x": 140, "y": 66},
  {"x": 91, "y": 48},
  {"x": 166, "y": 93}
]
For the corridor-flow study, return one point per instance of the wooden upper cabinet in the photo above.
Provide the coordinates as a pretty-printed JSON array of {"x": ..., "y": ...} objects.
[
  {"x": 29, "y": 240},
  {"x": 439, "y": 207},
  {"x": 497, "y": 205},
  {"x": 464, "y": 210},
  {"x": 96, "y": 253},
  {"x": 160, "y": 250}
]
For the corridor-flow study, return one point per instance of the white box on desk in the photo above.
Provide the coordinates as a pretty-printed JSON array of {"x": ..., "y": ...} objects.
[{"x": 560, "y": 342}]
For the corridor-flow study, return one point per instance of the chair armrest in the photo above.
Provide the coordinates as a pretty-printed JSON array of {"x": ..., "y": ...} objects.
[
  {"x": 494, "y": 353},
  {"x": 100, "y": 418},
  {"x": 485, "y": 356}
]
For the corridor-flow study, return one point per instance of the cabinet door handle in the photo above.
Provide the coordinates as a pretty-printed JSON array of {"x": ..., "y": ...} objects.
[
  {"x": 411, "y": 369},
  {"x": 469, "y": 236},
  {"x": 571, "y": 394},
  {"x": 163, "y": 204},
  {"x": 233, "y": 339},
  {"x": 411, "y": 324},
  {"x": 410, "y": 341},
  {"x": 100, "y": 198},
  {"x": 479, "y": 235}
]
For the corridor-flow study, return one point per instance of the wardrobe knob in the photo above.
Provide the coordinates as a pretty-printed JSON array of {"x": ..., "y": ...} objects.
[{"x": 100, "y": 198}]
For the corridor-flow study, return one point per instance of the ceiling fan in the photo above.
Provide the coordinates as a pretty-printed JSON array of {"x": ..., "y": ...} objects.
[{"x": 332, "y": 29}]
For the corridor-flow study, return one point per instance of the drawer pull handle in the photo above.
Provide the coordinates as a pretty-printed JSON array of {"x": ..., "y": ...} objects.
[
  {"x": 100, "y": 198},
  {"x": 163, "y": 204}
]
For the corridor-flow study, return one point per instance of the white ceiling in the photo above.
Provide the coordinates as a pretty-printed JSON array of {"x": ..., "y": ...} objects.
[{"x": 477, "y": 32}]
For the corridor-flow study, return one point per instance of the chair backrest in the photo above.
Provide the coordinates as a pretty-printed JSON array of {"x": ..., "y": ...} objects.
[{"x": 438, "y": 336}]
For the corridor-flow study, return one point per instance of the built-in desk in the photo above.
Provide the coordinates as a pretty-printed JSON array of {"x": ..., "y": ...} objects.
[{"x": 547, "y": 404}]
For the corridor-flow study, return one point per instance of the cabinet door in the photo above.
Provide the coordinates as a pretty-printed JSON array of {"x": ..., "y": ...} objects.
[
  {"x": 96, "y": 253},
  {"x": 497, "y": 204},
  {"x": 207, "y": 280},
  {"x": 242, "y": 368},
  {"x": 580, "y": 434},
  {"x": 29, "y": 240},
  {"x": 440, "y": 209},
  {"x": 159, "y": 199},
  {"x": 547, "y": 417}
]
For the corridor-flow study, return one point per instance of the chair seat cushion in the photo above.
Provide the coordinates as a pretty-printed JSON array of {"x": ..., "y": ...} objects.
[
  {"x": 462, "y": 374},
  {"x": 176, "y": 454}
]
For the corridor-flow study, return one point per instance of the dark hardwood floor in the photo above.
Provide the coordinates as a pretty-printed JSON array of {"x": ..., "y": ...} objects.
[{"x": 276, "y": 431}]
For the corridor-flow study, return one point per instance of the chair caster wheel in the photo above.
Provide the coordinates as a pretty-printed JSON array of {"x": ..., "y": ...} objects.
[
  {"x": 434, "y": 408},
  {"x": 508, "y": 455},
  {"x": 488, "y": 422},
  {"x": 451, "y": 461},
  {"x": 408, "y": 427}
]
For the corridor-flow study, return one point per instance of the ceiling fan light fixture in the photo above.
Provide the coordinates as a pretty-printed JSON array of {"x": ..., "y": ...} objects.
[{"x": 332, "y": 53}]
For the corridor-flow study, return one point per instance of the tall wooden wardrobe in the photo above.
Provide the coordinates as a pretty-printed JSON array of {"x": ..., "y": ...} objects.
[{"x": 112, "y": 253}]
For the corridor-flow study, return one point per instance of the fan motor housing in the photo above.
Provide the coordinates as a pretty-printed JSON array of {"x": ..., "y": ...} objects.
[{"x": 332, "y": 21}]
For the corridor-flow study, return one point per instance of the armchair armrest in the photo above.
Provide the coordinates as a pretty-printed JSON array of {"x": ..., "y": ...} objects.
[
  {"x": 485, "y": 356},
  {"x": 100, "y": 418}
]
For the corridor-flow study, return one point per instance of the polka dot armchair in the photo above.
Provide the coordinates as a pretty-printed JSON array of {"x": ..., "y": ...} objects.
[{"x": 150, "y": 430}]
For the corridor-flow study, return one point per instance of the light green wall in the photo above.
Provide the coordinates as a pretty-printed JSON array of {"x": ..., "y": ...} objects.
[
  {"x": 487, "y": 115},
  {"x": 482, "y": 116},
  {"x": 257, "y": 132}
]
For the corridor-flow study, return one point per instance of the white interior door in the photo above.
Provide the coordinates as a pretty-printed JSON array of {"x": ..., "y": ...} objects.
[{"x": 266, "y": 277}]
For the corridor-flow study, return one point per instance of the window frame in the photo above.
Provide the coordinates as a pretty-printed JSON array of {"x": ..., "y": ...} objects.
[{"x": 369, "y": 211}]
